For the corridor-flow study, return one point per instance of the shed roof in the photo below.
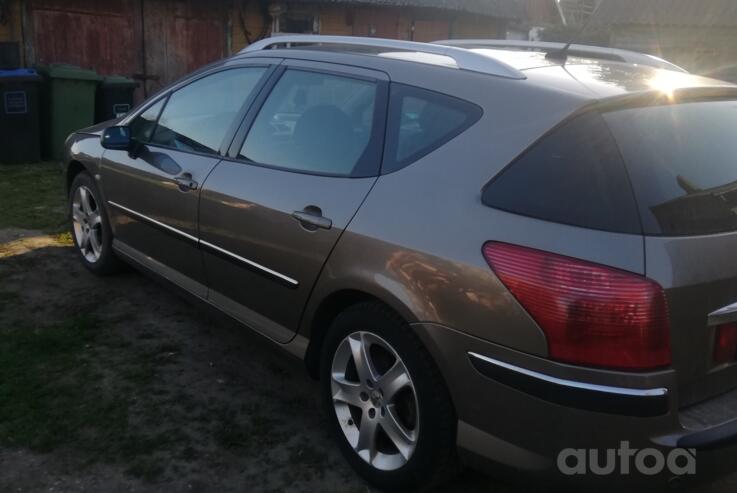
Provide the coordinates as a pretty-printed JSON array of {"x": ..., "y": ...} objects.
[
  {"x": 703, "y": 13},
  {"x": 505, "y": 9}
]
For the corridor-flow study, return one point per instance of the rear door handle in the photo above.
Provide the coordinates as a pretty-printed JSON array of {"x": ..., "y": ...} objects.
[
  {"x": 185, "y": 182},
  {"x": 311, "y": 218}
]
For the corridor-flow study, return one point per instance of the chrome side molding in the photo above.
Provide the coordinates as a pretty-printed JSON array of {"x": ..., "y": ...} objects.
[
  {"x": 642, "y": 403},
  {"x": 606, "y": 389},
  {"x": 250, "y": 263},
  {"x": 153, "y": 221}
]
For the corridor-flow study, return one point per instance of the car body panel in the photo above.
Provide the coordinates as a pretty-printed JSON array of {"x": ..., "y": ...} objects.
[
  {"x": 699, "y": 274},
  {"x": 143, "y": 199},
  {"x": 247, "y": 210},
  {"x": 440, "y": 275}
]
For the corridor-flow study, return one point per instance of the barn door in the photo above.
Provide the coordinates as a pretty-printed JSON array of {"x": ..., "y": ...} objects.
[
  {"x": 98, "y": 35},
  {"x": 179, "y": 37},
  {"x": 426, "y": 30}
]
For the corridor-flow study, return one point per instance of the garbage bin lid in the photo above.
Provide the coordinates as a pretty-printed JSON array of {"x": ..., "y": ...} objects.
[
  {"x": 118, "y": 81},
  {"x": 28, "y": 74},
  {"x": 65, "y": 71}
]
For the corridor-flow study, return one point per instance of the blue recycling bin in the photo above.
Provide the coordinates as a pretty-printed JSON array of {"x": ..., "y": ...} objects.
[{"x": 19, "y": 116}]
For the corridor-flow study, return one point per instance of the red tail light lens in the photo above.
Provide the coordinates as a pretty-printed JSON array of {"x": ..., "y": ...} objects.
[
  {"x": 592, "y": 315},
  {"x": 725, "y": 348}
]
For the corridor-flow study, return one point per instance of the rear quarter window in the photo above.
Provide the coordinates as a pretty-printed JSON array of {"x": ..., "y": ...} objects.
[
  {"x": 573, "y": 175},
  {"x": 682, "y": 160},
  {"x": 421, "y": 121}
]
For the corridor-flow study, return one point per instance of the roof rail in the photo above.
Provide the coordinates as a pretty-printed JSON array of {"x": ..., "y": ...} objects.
[
  {"x": 583, "y": 51},
  {"x": 462, "y": 58}
]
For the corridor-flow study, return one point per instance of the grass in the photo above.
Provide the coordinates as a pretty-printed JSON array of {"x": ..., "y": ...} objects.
[
  {"x": 54, "y": 395},
  {"x": 45, "y": 392},
  {"x": 32, "y": 197}
]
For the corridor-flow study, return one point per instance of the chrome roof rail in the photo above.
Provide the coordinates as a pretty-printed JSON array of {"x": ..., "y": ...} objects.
[
  {"x": 462, "y": 58},
  {"x": 576, "y": 50}
]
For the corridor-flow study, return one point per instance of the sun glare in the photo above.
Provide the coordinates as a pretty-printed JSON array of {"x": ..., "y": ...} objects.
[{"x": 668, "y": 82}]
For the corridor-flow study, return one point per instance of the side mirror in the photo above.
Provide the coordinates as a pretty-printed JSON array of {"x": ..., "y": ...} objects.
[{"x": 117, "y": 138}]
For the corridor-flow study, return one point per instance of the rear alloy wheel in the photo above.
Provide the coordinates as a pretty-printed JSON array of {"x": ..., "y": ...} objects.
[
  {"x": 375, "y": 401},
  {"x": 90, "y": 229},
  {"x": 389, "y": 408}
]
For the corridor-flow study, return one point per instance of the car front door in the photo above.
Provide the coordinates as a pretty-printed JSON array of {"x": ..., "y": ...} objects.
[
  {"x": 303, "y": 161},
  {"x": 153, "y": 190}
]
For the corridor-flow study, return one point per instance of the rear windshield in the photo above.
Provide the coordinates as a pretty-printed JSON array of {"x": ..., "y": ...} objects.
[
  {"x": 574, "y": 175},
  {"x": 682, "y": 161}
]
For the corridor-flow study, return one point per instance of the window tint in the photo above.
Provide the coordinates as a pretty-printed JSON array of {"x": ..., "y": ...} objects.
[
  {"x": 420, "y": 121},
  {"x": 197, "y": 117},
  {"x": 142, "y": 127},
  {"x": 317, "y": 123},
  {"x": 682, "y": 160},
  {"x": 574, "y": 175}
]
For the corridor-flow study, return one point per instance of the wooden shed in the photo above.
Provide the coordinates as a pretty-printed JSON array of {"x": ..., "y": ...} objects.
[
  {"x": 699, "y": 35},
  {"x": 158, "y": 41}
]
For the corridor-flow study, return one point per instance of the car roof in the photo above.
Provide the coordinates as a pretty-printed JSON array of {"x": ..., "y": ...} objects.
[
  {"x": 586, "y": 78},
  {"x": 601, "y": 79}
]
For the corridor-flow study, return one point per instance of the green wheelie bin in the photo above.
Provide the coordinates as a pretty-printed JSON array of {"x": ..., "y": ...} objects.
[
  {"x": 114, "y": 97},
  {"x": 68, "y": 105}
]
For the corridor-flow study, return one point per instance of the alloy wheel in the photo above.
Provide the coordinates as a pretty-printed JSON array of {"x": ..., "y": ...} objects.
[
  {"x": 87, "y": 223},
  {"x": 375, "y": 400}
]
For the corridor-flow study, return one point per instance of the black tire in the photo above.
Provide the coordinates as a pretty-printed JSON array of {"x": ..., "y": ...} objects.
[
  {"x": 434, "y": 460},
  {"x": 107, "y": 263}
]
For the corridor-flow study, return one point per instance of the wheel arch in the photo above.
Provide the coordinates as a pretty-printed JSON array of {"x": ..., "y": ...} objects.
[
  {"x": 73, "y": 168},
  {"x": 318, "y": 321}
]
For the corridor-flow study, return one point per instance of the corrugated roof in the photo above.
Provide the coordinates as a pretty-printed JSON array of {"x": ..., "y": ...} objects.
[
  {"x": 704, "y": 13},
  {"x": 505, "y": 9}
]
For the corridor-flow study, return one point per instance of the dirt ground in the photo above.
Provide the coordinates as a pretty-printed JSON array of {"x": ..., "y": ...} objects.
[{"x": 160, "y": 395}]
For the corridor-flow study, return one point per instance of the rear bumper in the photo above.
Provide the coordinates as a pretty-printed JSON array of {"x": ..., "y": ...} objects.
[
  {"x": 524, "y": 411},
  {"x": 714, "y": 438}
]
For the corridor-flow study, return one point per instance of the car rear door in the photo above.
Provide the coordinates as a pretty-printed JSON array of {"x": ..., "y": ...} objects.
[
  {"x": 303, "y": 161},
  {"x": 153, "y": 191}
]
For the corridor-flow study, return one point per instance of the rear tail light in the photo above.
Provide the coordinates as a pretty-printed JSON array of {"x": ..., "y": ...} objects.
[
  {"x": 592, "y": 315},
  {"x": 725, "y": 348}
]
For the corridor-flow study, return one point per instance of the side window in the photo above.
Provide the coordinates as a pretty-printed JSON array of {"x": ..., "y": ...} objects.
[
  {"x": 142, "y": 127},
  {"x": 317, "y": 123},
  {"x": 574, "y": 175},
  {"x": 420, "y": 121},
  {"x": 197, "y": 116}
]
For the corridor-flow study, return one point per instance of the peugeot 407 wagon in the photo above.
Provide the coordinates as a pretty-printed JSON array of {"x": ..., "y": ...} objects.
[{"x": 485, "y": 252}]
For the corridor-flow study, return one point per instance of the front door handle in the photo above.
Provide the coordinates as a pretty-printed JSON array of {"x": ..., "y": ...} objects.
[
  {"x": 185, "y": 182},
  {"x": 311, "y": 218}
]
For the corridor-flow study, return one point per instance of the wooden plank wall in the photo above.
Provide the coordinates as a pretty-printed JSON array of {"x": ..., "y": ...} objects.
[
  {"x": 158, "y": 41},
  {"x": 180, "y": 37},
  {"x": 103, "y": 36},
  {"x": 12, "y": 29}
]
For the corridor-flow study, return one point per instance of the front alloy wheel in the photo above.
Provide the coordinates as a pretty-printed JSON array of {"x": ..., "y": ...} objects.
[
  {"x": 87, "y": 224},
  {"x": 90, "y": 227},
  {"x": 375, "y": 401}
]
